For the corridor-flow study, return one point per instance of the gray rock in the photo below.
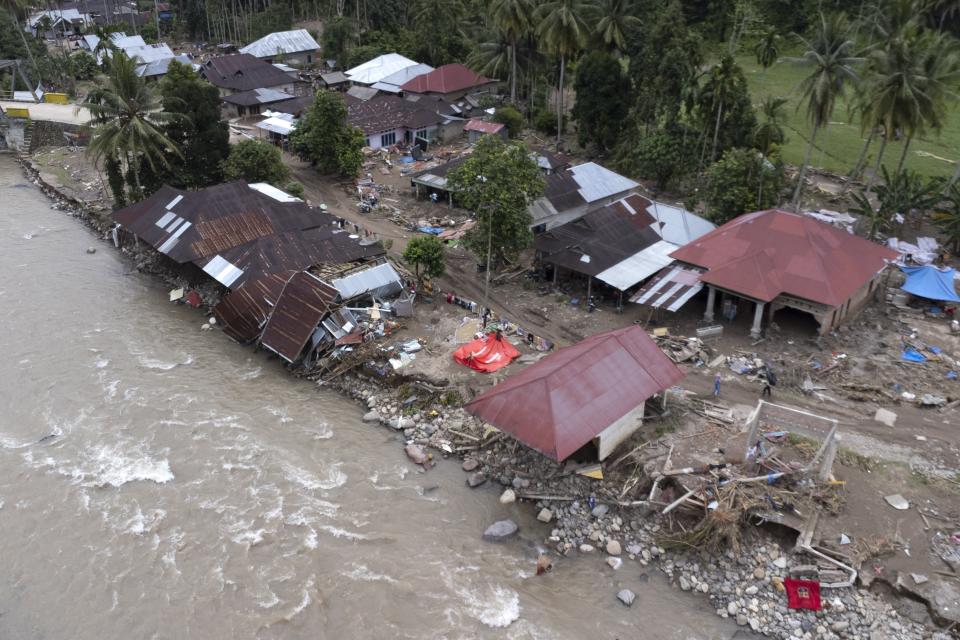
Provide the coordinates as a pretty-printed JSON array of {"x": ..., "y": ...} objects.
[
  {"x": 613, "y": 548},
  {"x": 508, "y": 497},
  {"x": 634, "y": 549},
  {"x": 626, "y": 596},
  {"x": 759, "y": 573},
  {"x": 91, "y": 250},
  {"x": 470, "y": 464},
  {"x": 517, "y": 482},
  {"x": 780, "y": 563},
  {"x": 615, "y": 563},
  {"x": 751, "y": 590},
  {"x": 586, "y": 548},
  {"x": 476, "y": 479},
  {"x": 500, "y": 531},
  {"x": 733, "y": 608},
  {"x": 685, "y": 583},
  {"x": 545, "y": 515},
  {"x": 416, "y": 454},
  {"x": 371, "y": 416},
  {"x": 600, "y": 510},
  {"x": 839, "y": 625}
]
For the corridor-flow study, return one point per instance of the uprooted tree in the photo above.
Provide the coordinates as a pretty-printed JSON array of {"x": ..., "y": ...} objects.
[{"x": 498, "y": 183}]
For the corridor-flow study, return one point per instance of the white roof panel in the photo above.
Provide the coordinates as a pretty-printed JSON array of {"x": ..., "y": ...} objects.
[
  {"x": 277, "y": 125},
  {"x": 381, "y": 279},
  {"x": 639, "y": 266},
  {"x": 379, "y": 68},
  {"x": 223, "y": 271},
  {"x": 281, "y": 42},
  {"x": 598, "y": 182},
  {"x": 273, "y": 192},
  {"x": 677, "y": 225}
]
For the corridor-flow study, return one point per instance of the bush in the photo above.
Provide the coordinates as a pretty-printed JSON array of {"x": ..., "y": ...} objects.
[
  {"x": 295, "y": 189},
  {"x": 256, "y": 161},
  {"x": 546, "y": 122},
  {"x": 511, "y": 118}
]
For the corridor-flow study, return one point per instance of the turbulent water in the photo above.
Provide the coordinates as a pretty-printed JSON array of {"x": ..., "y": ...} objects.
[{"x": 157, "y": 481}]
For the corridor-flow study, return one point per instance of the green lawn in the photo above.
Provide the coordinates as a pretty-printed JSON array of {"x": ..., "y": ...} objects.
[{"x": 840, "y": 143}]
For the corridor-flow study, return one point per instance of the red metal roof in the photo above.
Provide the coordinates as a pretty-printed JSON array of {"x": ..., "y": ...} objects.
[
  {"x": 302, "y": 304},
  {"x": 483, "y": 127},
  {"x": 767, "y": 253},
  {"x": 566, "y": 399},
  {"x": 446, "y": 79}
]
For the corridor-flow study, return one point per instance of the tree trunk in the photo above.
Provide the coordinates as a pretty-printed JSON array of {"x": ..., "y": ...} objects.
[
  {"x": 803, "y": 167},
  {"x": 876, "y": 169},
  {"x": 861, "y": 161},
  {"x": 716, "y": 132},
  {"x": 563, "y": 61},
  {"x": 513, "y": 72},
  {"x": 903, "y": 154}
]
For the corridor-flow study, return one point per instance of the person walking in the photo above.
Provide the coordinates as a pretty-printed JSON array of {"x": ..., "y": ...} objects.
[
  {"x": 716, "y": 386},
  {"x": 769, "y": 381}
]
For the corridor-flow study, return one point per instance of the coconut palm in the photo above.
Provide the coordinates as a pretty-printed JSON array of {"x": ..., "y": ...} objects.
[
  {"x": 720, "y": 85},
  {"x": 769, "y": 131},
  {"x": 563, "y": 31},
  {"x": 515, "y": 20},
  {"x": 767, "y": 48},
  {"x": 493, "y": 58},
  {"x": 126, "y": 118},
  {"x": 830, "y": 52},
  {"x": 616, "y": 19}
]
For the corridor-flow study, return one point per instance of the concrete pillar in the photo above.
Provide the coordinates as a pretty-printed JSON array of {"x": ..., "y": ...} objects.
[
  {"x": 757, "y": 329},
  {"x": 711, "y": 303},
  {"x": 829, "y": 455},
  {"x": 451, "y": 199}
]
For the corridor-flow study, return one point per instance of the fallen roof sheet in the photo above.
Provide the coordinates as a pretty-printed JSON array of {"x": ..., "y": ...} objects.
[
  {"x": 279, "y": 43},
  {"x": 932, "y": 283},
  {"x": 562, "y": 402},
  {"x": 303, "y": 302},
  {"x": 671, "y": 288},
  {"x": 767, "y": 253},
  {"x": 381, "y": 280},
  {"x": 244, "y": 311}
]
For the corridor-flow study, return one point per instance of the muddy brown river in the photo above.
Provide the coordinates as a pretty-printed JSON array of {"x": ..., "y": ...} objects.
[{"x": 159, "y": 482}]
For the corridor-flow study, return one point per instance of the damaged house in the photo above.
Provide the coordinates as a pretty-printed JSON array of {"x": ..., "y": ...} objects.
[
  {"x": 773, "y": 261},
  {"x": 572, "y": 193},
  {"x": 387, "y": 120}
]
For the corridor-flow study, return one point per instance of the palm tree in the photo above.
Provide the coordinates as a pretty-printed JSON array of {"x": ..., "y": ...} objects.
[
  {"x": 720, "y": 85},
  {"x": 563, "y": 31},
  {"x": 515, "y": 20},
  {"x": 769, "y": 132},
  {"x": 126, "y": 115},
  {"x": 874, "y": 218},
  {"x": 492, "y": 58},
  {"x": 830, "y": 53},
  {"x": 616, "y": 19},
  {"x": 767, "y": 48}
]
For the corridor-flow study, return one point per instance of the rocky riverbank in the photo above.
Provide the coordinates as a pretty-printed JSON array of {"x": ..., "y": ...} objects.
[{"x": 583, "y": 516}]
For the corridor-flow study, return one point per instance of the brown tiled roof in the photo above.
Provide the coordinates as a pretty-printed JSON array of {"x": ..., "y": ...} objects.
[
  {"x": 242, "y": 72},
  {"x": 389, "y": 112}
]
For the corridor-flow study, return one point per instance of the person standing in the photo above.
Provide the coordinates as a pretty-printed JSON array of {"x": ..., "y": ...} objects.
[{"x": 716, "y": 386}]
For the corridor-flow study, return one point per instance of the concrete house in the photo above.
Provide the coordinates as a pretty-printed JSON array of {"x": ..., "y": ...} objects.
[{"x": 387, "y": 120}]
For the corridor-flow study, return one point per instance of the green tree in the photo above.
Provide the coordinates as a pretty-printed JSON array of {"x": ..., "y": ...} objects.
[
  {"x": 256, "y": 161},
  {"x": 767, "y": 48},
  {"x": 603, "y": 100},
  {"x": 425, "y": 253},
  {"x": 128, "y": 123},
  {"x": 665, "y": 154},
  {"x": 830, "y": 53},
  {"x": 769, "y": 132},
  {"x": 725, "y": 106},
  {"x": 515, "y": 20},
  {"x": 617, "y": 18},
  {"x": 83, "y": 66},
  {"x": 337, "y": 33},
  {"x": 740, "y": 182},
  {"x": 193, "y": 123},
  {"x": 438, "y": 26},
  {"x": 563, "y": 31},
  {"x": 498, "y": 182},
  {"x": 325, "y": 137},
  {"x": 511, "y": 118}
]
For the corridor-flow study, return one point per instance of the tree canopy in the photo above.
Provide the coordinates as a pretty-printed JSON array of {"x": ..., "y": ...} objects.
[
  {"x": 425, "y": 253},
  {"x": 324, "y": 136},
  {"x": 256, "y": 161}
]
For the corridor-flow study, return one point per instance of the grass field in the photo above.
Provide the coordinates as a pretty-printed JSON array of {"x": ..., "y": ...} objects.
[{"x": 840, "y": 143}]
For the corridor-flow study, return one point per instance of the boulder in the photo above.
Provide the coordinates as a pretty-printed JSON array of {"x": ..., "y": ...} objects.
[
  {"x": 371, "y": 416},
  {"x": 613, "y": 548},
  {"x": 626, "y": 596},
  {"x": 471, "y": 464},
  {"x": 508, "y": 497},
  {"x": 600, "y": 510},
  {"x": 500, "y": 531},
  {"x": 476, "y": 479},
  {"x": 416, "y": 454},
  {"x": 545, "y": 515}
]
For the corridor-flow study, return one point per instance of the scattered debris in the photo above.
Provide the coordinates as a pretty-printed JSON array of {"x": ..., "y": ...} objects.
[{"x": 898, "y": 502}]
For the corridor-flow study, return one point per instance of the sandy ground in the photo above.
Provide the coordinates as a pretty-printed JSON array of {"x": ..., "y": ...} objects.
[{"x": 68, "y": 113}]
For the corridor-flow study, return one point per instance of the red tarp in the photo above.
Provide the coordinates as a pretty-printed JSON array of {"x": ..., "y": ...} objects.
[
  {"x": 486, "y": 354},
  {"x": 802, "y": 594}
]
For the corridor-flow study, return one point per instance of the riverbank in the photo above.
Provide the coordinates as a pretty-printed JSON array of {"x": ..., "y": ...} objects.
[{"x": 742, "y": 587}]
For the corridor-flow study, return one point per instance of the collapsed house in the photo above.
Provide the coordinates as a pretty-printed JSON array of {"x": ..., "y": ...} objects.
[
  {"x": 235, "y": 232},
  {"x": 592, "y": 392},
  {"x": 620, "y": 244},
  {"x": 775, "y": 260}
]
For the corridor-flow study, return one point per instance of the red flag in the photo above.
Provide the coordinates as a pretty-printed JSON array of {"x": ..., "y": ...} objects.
[{"x": 802, "y": 594}]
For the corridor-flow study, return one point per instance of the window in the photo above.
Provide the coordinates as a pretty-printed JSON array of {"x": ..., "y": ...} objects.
[
  {"x": 366, "y": 141},
  {"x": 309, "y": 58},
  {"x": 422, "y": 133},
  {"x": 388, "y": 139}
]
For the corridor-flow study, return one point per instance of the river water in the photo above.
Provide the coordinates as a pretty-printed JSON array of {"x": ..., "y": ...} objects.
[{"x": 157, "y": 481}]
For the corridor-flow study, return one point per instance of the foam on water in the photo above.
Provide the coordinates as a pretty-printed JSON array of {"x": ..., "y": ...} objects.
[
  {"x": 141, "y": 523},
  {"x": 494, "y": 605},
  {"x": 331, "y": 478},
  {"x": 108, "y": 465},
  {"x": 252, "y": 374},
  {"x": 161, "y": 365},
  {"x": 362, "y": 573},
  {"x": 337, "y": 532},
  {"x": 251, "y": 537}
]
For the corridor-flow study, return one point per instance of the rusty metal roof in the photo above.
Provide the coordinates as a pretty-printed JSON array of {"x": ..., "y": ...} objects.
[
  {"x": 448, "y": 78},
  {"x": 243, "y": 312},
  {"x": 767, "y": 253},
  {"x": 560, "y": 403},
  {"x": 303, "y": 303}
]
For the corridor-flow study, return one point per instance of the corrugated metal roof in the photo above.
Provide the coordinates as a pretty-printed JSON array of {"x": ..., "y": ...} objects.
[
  {"x": 334, "y": 77},
  {"x": 388, "y": 112},
  {"x": 362, "y": 93},
  {"x": 671, "y": 288},
  {"x": 767, "y": 253},
  {"x": 148, "y": 53},
  {"x": 483, "y": 127},
  {"x": 379, "y": 68},
  {"x": 258, "y": 96},
  {"x": 639, "y": 266},
  {"x": 282, "y": 42},
  {"x": 160, "y": 67},
  {"x": 303, "y": 303},
  {"x": 277, "y": 125},
  {"x": 244, "y": 311},
  {"x": 395, "y": 81},
  {"x": 381, "y": 280},
  {"x": 562, "y": 402},
  {"x": 596, "y": 182},
  {"x": 448, "y": 78},
  {"x": 241, "y": 71},
  {"x": 677, "y": 225}
]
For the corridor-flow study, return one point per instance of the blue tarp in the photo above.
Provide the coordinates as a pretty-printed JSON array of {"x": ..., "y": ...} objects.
[
  {"x": 931, "y": 283},
  {"x": 912, "y": 355}
]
